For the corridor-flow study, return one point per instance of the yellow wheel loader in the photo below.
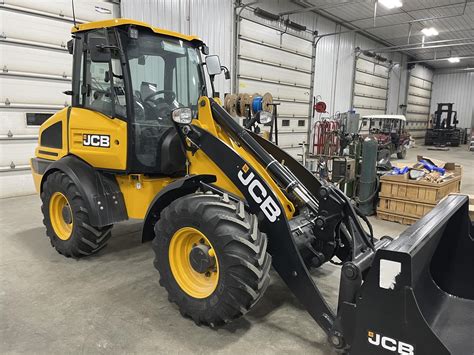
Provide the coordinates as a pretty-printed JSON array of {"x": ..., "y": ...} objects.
[{"x": 143, "y": 140}]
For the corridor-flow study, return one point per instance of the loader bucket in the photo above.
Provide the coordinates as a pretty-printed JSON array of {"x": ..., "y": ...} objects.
[{"x": 418, "y": 297}]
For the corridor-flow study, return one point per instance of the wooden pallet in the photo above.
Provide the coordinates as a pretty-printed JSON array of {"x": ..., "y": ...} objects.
[{"x": 408, "y": 212}]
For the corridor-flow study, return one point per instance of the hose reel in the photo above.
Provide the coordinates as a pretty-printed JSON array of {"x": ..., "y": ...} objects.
[{"x": 236, "y": 105}]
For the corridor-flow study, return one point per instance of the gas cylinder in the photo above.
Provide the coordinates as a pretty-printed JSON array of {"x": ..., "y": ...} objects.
[{"x": 368, "y": 176}]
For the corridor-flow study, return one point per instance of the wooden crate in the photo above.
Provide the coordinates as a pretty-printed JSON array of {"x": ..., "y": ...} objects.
[
  {"x": 420, "y": 191},
  {"x": 392, "y": 217},
  {"x": 404, "y": 208},
  {"x": 405, "y": 201}
]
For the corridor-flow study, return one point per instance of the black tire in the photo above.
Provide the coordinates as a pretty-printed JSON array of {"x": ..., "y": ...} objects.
[
  {"x": 240, "y": 249},
  {"x": 402, "y": 153},
  {"x": 84, "y": 239}
]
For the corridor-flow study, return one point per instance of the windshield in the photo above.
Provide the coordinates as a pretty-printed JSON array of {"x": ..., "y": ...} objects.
[{"x": 165, "y": 73}]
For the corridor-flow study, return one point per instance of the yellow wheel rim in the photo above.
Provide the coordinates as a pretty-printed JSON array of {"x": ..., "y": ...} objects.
[
  {"x": 59, "y": 211},
  {"x": 195, "y": 284}
]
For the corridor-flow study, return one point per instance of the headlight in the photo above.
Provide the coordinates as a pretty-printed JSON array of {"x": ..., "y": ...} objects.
[
  {"x": 264, "y": 117},
  {"x": 182, "y": 115}
]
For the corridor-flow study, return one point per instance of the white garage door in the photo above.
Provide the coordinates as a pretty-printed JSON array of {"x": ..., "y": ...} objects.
[
  {"x": 35, "y": 68},
  {"x": 418, "y": 105},
  {"x": 281, "y": 64},
  {"x": 370, "y": 90}
]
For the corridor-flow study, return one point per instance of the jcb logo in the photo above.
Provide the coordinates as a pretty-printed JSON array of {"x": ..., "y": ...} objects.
[
  {"x": 96, "y": 140},
  {"x": 259, "y": 194},
  {"x": 390, "y": 344}
]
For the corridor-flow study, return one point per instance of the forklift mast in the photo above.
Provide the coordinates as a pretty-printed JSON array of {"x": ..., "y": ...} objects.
[{"x": 448, "y": 122}]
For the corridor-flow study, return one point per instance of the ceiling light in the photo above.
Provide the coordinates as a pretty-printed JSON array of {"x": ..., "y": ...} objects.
[
  {"x": 454, "y": 60},
  {"x": 430, "y": 31},
  {"x": 391, "y": 4}
]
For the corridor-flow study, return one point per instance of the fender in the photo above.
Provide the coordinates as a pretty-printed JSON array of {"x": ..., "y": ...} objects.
[
  {"x": 103, "y": 198},
  {"x": 176, "y": 189}
]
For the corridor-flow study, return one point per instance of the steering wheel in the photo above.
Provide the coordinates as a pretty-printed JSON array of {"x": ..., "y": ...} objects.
[{"x": 149, "y": 97}]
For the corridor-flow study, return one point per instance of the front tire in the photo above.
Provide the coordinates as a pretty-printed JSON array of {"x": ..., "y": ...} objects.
[
  {"x": 233, "y": 270},
  {"x": 66, "y": 219}
]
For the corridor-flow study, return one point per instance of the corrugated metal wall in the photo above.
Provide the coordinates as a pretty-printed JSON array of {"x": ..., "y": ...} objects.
[
  {"x": 211, "y": 20},
  {"x": 459, "y": 89}
]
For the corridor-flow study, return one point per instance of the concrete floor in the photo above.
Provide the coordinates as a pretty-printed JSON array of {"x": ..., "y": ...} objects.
[{"x": 112, "y": 302}]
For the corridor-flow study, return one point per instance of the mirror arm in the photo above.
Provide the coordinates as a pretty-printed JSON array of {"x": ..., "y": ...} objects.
[{"x": 211, "y": 77}]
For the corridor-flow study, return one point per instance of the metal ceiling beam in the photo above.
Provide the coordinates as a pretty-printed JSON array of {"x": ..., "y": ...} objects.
[
  {"x": 453, "y": 70},
  {"x": 382, "y": 50},
  {"x": 321, "y": 7},
  {"x": 404, "y": 46},
  {"x": 409, "y": 11},
  {"x": 439, "y": 59},
  {"x": 448, "y": 35},
  {"x": 359, "y": 29}
]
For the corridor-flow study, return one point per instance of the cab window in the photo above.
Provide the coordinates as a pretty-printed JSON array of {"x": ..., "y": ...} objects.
[
  {"x": 102, "y": 86},
  {"x": 165, "y": 74}
]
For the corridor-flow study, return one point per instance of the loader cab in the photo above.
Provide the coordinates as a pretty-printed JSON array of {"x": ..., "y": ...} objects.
[{"x": 133, "y": 74}]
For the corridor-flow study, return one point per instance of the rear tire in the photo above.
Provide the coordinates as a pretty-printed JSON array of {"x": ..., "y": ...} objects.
[
  {"x": 78, "y": 238},
  {"x": 240, "y": 255}
]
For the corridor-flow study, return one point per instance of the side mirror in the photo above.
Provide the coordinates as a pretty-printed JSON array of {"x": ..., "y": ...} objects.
[
  {"x": 205, "y": 49},
  {"x": 213, "y": 65},
  {"x": 99, "y": 52}
]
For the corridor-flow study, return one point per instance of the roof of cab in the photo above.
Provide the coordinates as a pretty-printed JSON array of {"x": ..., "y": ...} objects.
[
  {"x": 125, "y": 21},
  {"x": 389, "y": 117}
]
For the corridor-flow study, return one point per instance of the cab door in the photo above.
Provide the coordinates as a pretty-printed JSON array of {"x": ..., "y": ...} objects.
[{"x": 98, "y": 118}]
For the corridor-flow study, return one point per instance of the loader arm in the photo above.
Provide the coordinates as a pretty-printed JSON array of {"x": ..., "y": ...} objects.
[
  {"x": 329, "y": 214},
  {"x": 359, "y": 326}
]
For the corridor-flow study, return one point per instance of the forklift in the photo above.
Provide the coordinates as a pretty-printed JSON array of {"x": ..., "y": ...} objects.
[{"x": 444, "y": 131}]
